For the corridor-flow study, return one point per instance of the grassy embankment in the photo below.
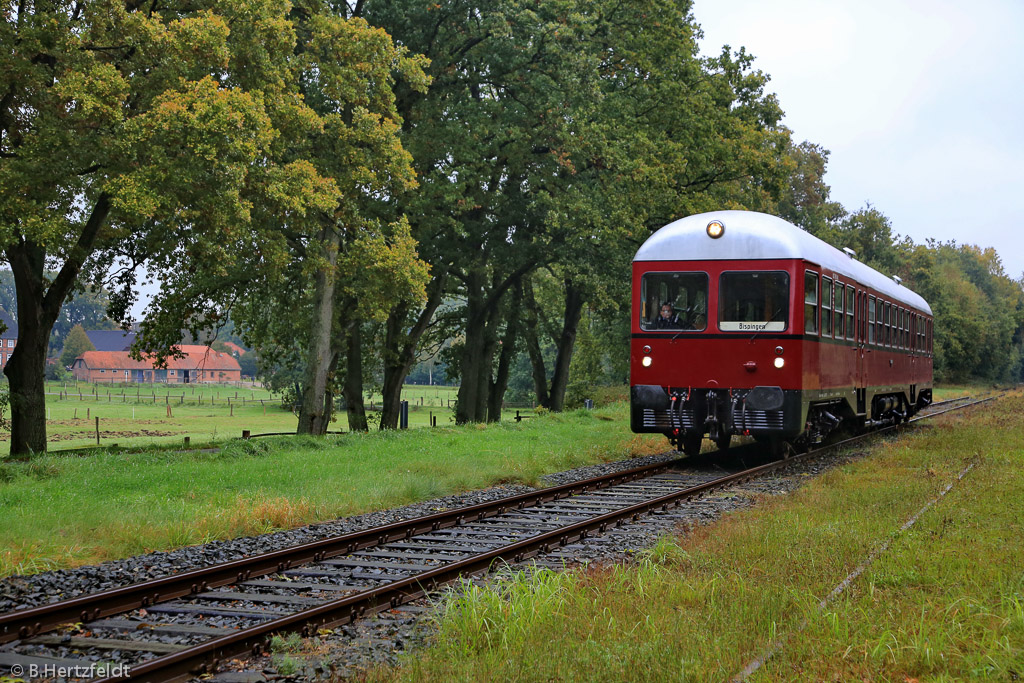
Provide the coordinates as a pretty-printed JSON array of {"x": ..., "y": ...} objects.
[
  {"x": 944, "y": 602},
  {"x": 147, "y": 414},
  {"x": 64, "y": 510}
]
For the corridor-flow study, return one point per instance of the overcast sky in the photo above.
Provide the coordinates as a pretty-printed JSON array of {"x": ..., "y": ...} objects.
[{"x": 919, "y": 102}]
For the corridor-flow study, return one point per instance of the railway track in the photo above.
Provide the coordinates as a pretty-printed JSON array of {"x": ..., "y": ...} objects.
[{"x": 180, "y": 626}]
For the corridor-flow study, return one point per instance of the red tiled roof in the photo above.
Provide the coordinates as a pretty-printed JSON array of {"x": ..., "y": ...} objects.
[
  {"x": 235, "y": 348},
  {"x": 196, "y": 358},
  {"x": 205, "y": 358}
]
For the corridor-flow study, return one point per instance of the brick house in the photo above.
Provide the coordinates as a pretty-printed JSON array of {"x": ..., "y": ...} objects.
[
  {"x": 200, "y": 364},
  {"x": 8, "y": 339}
]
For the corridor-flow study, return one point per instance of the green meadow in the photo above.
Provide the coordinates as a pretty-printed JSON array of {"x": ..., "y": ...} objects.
[{"x": 142, "y": 415}]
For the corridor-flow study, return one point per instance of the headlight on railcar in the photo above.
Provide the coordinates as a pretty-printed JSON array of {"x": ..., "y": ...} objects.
[
  {"x": 779, "y": 362},
  {"x": 646, "y": 362},
  {"x": 716, "y": 229}
]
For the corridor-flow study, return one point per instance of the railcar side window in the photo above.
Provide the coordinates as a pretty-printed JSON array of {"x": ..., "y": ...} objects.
[
  {"x": 753, "y": 301},
  {"x": 887, "y": 322},
  {"x": 871, "y": 320},
  {"x": 851, "y": 331},
  {"x": 826, "y": 306},
  {"x": 880, "y": 323},
  {"x": 837, "y": 310},
  {"x": 683, "y": 296},
  {"x": 894, "y": 323},
  {"x": 810, "y": 302}
]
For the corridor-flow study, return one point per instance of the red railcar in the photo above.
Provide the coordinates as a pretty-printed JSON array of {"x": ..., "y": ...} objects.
[{"x": 745, "y": 324}]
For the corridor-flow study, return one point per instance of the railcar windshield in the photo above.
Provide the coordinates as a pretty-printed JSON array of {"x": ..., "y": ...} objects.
[
  {"x": 753, "y": 302},
  {"x": 674, "y": 301}
]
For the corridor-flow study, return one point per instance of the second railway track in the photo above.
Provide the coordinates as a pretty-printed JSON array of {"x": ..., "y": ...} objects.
[{"x": 182, "y": 625}]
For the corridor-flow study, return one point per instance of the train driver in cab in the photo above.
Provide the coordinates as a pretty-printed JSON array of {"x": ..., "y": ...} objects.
[{"x": 668, "y": 319}]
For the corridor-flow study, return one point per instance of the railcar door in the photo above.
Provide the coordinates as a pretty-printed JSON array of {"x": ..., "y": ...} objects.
[{"x": 862, "y": 342}]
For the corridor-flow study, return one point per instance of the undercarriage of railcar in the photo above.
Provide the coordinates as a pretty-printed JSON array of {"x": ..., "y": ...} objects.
[{"x": 780, "y": 418}]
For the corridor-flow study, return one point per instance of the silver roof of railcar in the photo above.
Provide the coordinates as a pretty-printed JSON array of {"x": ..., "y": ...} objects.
[{"x": 752, "y": 235}]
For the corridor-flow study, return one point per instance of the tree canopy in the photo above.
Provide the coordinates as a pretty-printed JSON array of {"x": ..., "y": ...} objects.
[
  {"x": 354, "y": 183},
  {"x": 75, "y": 344}
]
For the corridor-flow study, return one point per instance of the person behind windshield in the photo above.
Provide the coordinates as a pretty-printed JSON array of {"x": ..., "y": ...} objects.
[{"x": 667, "y": 319}]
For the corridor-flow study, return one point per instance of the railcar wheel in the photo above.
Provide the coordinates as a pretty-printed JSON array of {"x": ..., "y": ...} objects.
[
  {"x": 692, "y": 443},
  {"x": 780, "y": 448}
]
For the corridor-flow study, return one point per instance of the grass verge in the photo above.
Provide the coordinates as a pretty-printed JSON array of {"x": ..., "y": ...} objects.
[
  {"x": 945, "y": 601},
  {"x": 64, "y": 510}
]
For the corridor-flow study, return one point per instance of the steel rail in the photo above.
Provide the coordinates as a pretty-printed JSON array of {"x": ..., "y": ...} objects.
[
  {"x": 205, "y": 657},
  {"x": 41, "y": 619}
]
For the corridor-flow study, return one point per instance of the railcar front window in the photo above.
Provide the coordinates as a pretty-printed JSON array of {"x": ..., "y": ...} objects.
[
  {"x": 753, "y": 302},
  {"x": 674, "y": 301}
]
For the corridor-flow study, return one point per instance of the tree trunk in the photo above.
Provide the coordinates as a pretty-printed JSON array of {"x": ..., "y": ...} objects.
[
  {"x": 574, "y": 300},
  {"x": 553, "y": 397},
  {"x": 395, "y": 367},
  {"x": 476, "y": 361},
  {"x": 313, "y": 418},
  {"x": 400, "y": 350},
  {"x": 540, "y": 376},
  {"x": 498, "y": 388},
  {"x": 475, "y": 374},
  {"x": 483, "y": 317},
  {"x": 38, "y": 308},
  {"x": 353, "y": 389},
  {"x": 25, "y": 372},
  {"x": 472, "y": 361}
]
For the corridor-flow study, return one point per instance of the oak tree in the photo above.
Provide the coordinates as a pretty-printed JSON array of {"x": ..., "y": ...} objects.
[{"x": 133, "y": 133}]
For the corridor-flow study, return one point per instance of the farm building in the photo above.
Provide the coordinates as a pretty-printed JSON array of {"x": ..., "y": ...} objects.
[{"x": 200, "y": 364}]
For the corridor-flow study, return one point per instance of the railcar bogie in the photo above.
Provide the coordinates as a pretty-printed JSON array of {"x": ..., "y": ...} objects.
[{"x": 745, "y": 325}]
